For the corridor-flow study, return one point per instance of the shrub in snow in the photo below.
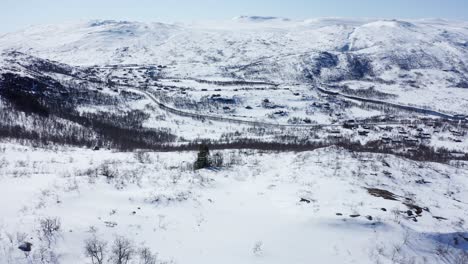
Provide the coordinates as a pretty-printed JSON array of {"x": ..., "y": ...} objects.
[
  {"x": 45, "y": 255},
  {"x": 166, "y": 198},
  {"x": 106, "y": 171},
  {"x": 233, "y": 158},
  {"x": 142, "y": 157},
  {"x": 258, "y": 248},
  {"x": 3, "y": 163},
  {"x": 217, "y": 160}
]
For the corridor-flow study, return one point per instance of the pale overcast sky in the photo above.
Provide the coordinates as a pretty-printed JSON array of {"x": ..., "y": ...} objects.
[{"x": 17, "y": 14}]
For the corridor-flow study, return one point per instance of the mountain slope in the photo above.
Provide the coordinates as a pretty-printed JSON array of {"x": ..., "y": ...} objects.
[
  {"x": 423, "y": 63},
  {"x": 246, "y": 40}
]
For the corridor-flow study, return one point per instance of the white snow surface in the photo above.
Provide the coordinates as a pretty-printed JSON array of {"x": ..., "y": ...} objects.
[{"x": 248, "y": 213}]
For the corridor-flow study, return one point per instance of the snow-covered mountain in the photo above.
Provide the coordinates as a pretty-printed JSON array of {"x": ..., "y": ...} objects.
[
  {"x": 329, "y": 48},
  {"x": 404, "y": 58}
]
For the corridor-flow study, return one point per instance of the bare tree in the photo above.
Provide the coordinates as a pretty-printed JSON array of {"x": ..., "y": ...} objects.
[
  {"x": 147, "y": 257},
  {"x": 95, "y": 249},
  {"x": 122, "y": 250},
  {"x": 50, "y": 229}
]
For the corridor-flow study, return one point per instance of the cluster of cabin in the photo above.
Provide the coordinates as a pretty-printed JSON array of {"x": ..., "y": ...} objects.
[
  {"x": 331, "y": 106},
  {"x": 325, "y": 106},
  {"x": 408, "y": 135},
  {"x": 457, "y": 135},
  {"x": 130, "y": 74},
  {"x": 404, "y": 132},
  {"x": 419, "y": 135},
  {"x": 217, "y": 98},
  {"x": 266, "y": 103}
]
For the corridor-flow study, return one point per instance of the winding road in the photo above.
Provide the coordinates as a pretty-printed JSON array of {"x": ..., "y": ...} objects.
[
  {"x": 200, "y": 116},
  {"x": 241, "y": 121},
  {"x": 223, "y": 119},
  {"x": 399, "y": 106}
]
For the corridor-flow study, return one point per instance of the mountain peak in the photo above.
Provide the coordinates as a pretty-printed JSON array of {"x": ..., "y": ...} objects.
[
  {"x": 260, "y": 18},
  {"x": 98, "y": 23},
  {"x": 392, "y": 23}
]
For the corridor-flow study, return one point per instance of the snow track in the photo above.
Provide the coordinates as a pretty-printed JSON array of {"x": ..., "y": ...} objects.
[{"x": 399, "y": 106}]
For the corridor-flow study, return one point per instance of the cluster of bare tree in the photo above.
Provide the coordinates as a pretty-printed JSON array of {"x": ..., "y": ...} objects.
[
  {"x": 420, "y": 153},
  {"x": 122, "y": 251},
  {"x": 370, "y": 92},
  {"x": 44, "y": 111}
]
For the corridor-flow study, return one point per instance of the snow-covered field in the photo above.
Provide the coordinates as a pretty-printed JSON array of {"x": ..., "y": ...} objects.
[{"x": 321, "y": 206}]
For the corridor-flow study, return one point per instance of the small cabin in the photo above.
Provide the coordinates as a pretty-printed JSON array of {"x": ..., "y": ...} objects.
[{"x": 363, "y": 133}]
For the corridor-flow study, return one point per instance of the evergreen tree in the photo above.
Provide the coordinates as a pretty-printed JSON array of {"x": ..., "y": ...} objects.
[{"x": 203, "y": 158}]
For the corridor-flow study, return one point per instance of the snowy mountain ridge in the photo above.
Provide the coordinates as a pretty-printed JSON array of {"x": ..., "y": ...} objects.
[
  {"x": 400, "y": 57},
  {"x": 129, "y": 42}
]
